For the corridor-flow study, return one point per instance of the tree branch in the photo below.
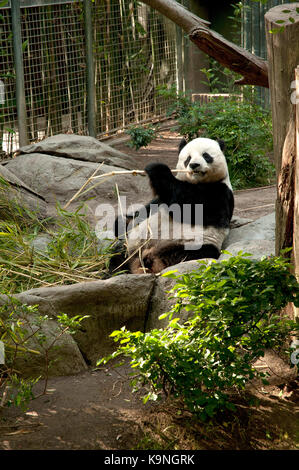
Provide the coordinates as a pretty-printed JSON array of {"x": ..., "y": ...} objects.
[{"x": 253, "y": 68}]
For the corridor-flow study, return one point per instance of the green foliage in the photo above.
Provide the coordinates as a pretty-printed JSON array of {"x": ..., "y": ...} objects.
[
  {"x": 233, "y": 309},
  {"x": 72, "y": 255},
  {"x": 19, "y": 325},
  {"x": 140, "y": 136},
  {"x": 246, "y": 129}
]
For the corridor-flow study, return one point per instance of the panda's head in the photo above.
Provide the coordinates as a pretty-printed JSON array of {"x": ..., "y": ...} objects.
[{"x": 204, "y": 161}]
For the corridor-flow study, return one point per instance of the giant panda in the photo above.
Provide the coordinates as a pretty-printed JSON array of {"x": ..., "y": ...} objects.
[{"x": 204, "y": 184}]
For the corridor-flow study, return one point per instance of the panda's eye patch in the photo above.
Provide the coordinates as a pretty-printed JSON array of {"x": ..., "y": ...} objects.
[
  {"x": 186, "y": 163},
  {"x": 208, "y": 157}
]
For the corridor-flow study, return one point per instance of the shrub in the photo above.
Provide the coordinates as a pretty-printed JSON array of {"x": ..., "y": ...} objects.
[
  {"x": 234, "y": 316},
  {"x": 140, "y": 136},
  {"x": 245, "y": 128}
]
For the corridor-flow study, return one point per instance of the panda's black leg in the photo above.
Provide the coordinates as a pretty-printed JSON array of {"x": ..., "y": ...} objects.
[
  {"x": 118, "y": 259},
  {"x": 175, "y": 253},
  {"x": 206, "y": 251}
]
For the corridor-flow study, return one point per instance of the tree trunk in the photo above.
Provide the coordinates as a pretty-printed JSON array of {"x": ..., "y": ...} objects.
[
  {"x": 296, "y": 189},
  {"x": 254, "y": 69},
  {"x": 283, "y": 57}
]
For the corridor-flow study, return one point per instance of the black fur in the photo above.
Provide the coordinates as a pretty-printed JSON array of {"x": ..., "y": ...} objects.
[
  {"x": 182, "y": 144},
  {"x": 221, "y": 144},
  {"x": 218, "y": 205},
  {"x": 217, "y": 198},
  {"x": 208, "y": 157}
]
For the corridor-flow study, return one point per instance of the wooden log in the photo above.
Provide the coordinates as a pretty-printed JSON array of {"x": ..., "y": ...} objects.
[
  {"x": 283, "y": 58},
  {"x": 253, "y": 68},
  {"x": 295, "y": 97},
  {"x": 286, "y": 190}
]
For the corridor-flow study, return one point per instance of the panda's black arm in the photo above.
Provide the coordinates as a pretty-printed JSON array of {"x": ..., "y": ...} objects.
[{"x": 161, "y": 180}]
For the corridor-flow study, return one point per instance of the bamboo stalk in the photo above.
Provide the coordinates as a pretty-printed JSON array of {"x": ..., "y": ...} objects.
[
  {"x": 131, "y": 172},
  {"x": 107, "y": 176},
  {"x": 84, "y": 185}
]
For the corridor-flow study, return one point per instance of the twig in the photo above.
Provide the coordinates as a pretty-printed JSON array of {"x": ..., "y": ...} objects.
[
  {"x": 132, "y": 254},
  {"x": 84, "y": 185}
]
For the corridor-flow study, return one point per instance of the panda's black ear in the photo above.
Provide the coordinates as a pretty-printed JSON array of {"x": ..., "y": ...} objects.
[
  {"x": 182, "y": 144},
  {"x": 221, "y": 144}
]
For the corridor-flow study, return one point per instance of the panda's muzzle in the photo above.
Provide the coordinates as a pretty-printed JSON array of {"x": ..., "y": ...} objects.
[{"x": 196, "y": 168}]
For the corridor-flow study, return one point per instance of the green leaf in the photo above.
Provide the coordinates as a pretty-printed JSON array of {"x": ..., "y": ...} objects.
[
  {"x": 115, "y": 333},
  {"x": 172, "y": 274},
  {"x": 164, "y": 315}
]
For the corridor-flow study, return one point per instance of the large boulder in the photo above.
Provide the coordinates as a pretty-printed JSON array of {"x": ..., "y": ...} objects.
[
  {"x": 18, "y": 192},
  {"x": 79, "y": 147},
  {"x": 260, "y": 229},
  {"x": 58, "y": 178},
  {"x": 119, "y": 301}
]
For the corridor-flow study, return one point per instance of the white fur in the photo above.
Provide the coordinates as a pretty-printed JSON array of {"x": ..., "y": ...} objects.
[
  {"x": 209, "y": 173},
  {"x": 160, "y": 226}
]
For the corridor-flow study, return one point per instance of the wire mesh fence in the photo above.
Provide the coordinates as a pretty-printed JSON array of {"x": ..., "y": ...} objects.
[
  {"x": 7, "y": 77},
  {"x": 134, "y": 51}
]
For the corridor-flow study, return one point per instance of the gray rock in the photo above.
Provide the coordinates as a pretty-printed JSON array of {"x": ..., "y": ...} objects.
[
  {"x": 110, "y": 304},
  {"x": 257, "y": 248},
  {"x": 162, "y": 300},
  {"x": 64, "y": 357},
  {"x": 239, "y": 222},
  {"x": 41, "y": 242},
  {"x": 261, "y": 229},
  {"x": 19, "y": 192},
  {"x": 58, "y": 179},
  {"x": 79, "y": 147}
]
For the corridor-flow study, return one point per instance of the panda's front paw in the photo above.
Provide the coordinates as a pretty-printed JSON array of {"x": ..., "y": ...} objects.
[{"x": 157, "y": 169}]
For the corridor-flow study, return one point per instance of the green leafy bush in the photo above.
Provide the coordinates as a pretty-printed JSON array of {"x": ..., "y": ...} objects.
[
  {"x": 233, "y": 309},
  {"x": 140, "y": 136},
  {"x": 245, "y": 127}
]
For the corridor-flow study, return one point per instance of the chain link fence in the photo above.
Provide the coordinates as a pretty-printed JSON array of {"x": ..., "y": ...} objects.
[{"x": 133, "y": 50}]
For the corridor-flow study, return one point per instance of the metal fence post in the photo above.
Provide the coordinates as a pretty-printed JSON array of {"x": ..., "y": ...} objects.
[
  {"x": 91, "y": 95},
  {"x": 19, "y": 69}
]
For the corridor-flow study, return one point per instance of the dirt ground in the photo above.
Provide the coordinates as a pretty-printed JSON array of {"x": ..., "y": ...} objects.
[{"x": 97, "y": 410}]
